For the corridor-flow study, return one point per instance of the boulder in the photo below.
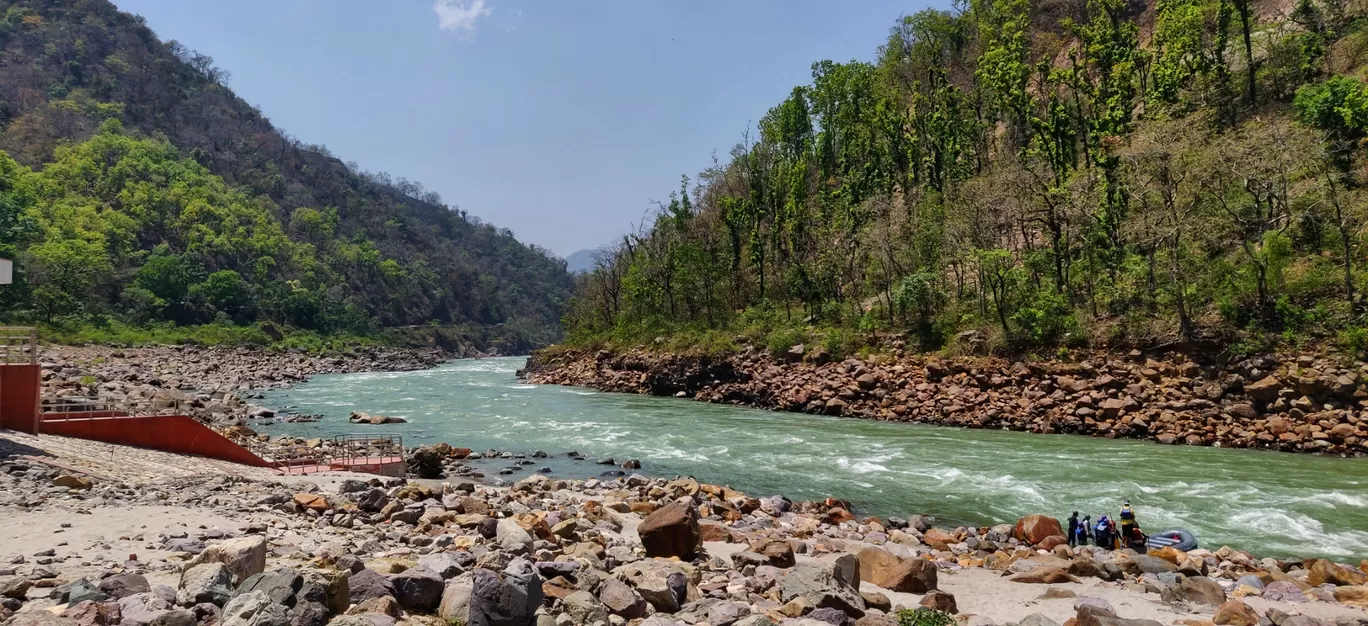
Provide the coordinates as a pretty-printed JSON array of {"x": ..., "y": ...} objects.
[
  {"x": 728, "y": 613},
  {"x": 444, "y": 564},
  {"x": 1265, "y": 390},
  {"x": 367, "y": 584},
  {"x": 661, "y": 583},
  {"x": 141, "y": 609},
  {"x": 372, "y": 500},
  {"x": 938, "y": 539},
  {"x": 121, "y": 586},
  {"x": 816, "y": 583},
  {"x": 940, "y": 601},
  {"x": 77, "y": 591},
  {"x": 1144, "y": 564},
  {"x": 584, "y": 609},
  {"x": 71, "y": 481},
  {"x": 253, "y": 609},
  {"x": 1235, "y": 613},
  {"x": 1197, "y": 590},
  {"x": 426, "y": 462},
  {"x": 91, "y": 613},
  {"x": 509, "y": 598},
  {"x": 1034, "y": 529},
  {"x": 206, "y": 582},
  {"x": 312, "y": 501},
  {"x": 14, "y": 587},
  {"x": 279, "y": 585},
  {"x": 621, "y": 600},
  {"x": 1045, "y": 576},
  {"x": 418, "y": 589},
  {"x": 671, "y": 531},
  {"x": 895, "y": 573},
  {"x": 512, "y": 537},
  {"x": 776, "y": 552},
  {"x": 243, "y": 556},
  {"x": 1283, "y": 591},
  {"x": 1322, "y": 572},
  {"x": 1352, "y": 595},
  {"x": 40, "y": 618}
]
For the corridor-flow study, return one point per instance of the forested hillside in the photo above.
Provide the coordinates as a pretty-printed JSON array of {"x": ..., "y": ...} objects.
[
  {"x": 139, "y": 188},
  {"x": 1021, "y": 175}
]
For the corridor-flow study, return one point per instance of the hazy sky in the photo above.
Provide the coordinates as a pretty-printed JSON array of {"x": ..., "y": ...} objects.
[{"x": 559, "y": 119}]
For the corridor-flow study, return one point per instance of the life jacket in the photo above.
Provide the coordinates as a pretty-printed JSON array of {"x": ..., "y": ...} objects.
[
  {"x": 1103, "y": 524},
  {"x": 1127, "y": 514}
]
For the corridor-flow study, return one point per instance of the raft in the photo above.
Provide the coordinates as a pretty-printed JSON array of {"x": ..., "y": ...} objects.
[{"x": 1178, "y": 539}]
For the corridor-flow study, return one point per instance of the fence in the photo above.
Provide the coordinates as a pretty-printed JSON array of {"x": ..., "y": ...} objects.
[
  {"x": 346, "y": 452},
  {"x": 18, "y": 345},
  {"x": 63, "y": 408}
]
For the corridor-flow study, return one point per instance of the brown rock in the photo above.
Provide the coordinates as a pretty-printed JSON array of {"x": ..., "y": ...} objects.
[
  {"x": 1168, "y": 553},
  {"x": 837, "y": 515},
  {"x": 1235, "y": 613},
  {"x": 1352, "y": 595},
  {"x": 1034, "y": 529},
  {"x": 1265, "y": 390},
  {"x": 1198, "y": 590},
  {"x": 1053, "y": 542},
  {"x": 940, "y": 601},
  {"x": 1044, "y": 575},
  {"x": 876, "y": 600},
  {"x": 938, "y": 539},
  {"x": 777, "y": 552},
  {"x": 671, "y": 531},
  {"x": 710, "y": 530},
  {"x": 1322, "y": 571},
  {"x": 895, "y": 573},
  {"x": 71, "y": 481},
  {"x": 312, "y": 501}
]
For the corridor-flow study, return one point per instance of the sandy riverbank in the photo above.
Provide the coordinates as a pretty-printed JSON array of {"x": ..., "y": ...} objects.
[{"x": 596, "y": 551}]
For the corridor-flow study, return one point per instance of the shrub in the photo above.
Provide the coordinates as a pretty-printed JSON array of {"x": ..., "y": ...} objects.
[{"x": 924, "y": 616}]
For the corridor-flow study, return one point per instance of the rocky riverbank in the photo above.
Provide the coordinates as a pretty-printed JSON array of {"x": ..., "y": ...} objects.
[
  {"x": 1303, "y": 404},
  {"x": 353, "y": 550},
  {"x": 212, "y": 384}
]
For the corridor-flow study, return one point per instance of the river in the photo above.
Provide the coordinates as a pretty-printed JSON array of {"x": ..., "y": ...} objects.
[{"x": 1269, "y": 503}]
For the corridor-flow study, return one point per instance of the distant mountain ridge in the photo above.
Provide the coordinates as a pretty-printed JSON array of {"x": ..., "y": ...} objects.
[
  {"x": 386, "y": 247},
  {"x": 580, "y": 262}
]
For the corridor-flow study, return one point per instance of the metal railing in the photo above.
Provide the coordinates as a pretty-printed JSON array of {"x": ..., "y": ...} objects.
[
  {"x": 63, "y": 408},
  {"x": 18, "y": 345},
  {"x": 345, "y": 452}
]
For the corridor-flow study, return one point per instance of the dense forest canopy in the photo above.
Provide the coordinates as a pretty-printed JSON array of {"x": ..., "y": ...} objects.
[
  {"x": 134, "y": 185},
  {"x": 1014, "y": 174}
]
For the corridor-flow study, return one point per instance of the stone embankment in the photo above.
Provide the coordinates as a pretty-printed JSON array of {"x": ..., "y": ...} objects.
[
  {"x": 631, "y": 551},
  {"x": 1303, "y": 404},
  {"x": 212, "y": 384}
]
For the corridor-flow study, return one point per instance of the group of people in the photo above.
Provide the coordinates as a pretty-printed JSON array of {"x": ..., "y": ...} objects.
[{"x": 1106, "y": 533}]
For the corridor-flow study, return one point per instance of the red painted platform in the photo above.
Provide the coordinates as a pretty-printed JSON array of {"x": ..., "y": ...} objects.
[{"x": 169, "y": 433}]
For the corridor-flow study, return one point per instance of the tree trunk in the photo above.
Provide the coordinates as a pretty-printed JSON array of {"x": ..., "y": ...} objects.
[{"x": 1245, "y": 19}]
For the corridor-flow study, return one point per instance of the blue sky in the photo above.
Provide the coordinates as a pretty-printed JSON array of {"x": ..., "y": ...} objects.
[{"x": 560, "y": 120}]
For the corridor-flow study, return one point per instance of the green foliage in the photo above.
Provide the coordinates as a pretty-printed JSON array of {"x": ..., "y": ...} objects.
[
  {"x": 136, "y": 149},
  {"x": 1032, "y": 172},
  {"x": 925, "y": 616},
  {"x": 1354, "y": 341},
  {"x": 1338, "y": 105}
]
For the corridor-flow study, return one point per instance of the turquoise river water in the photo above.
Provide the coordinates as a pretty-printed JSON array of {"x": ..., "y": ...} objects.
[{"x": 1271, "y": 504}]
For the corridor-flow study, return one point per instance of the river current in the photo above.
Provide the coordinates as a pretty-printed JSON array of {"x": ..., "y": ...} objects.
[{"x": 1271, "y": 504}]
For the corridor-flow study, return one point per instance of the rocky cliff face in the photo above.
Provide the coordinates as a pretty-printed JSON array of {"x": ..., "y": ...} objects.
[{"x": 1304, "y": 404}]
